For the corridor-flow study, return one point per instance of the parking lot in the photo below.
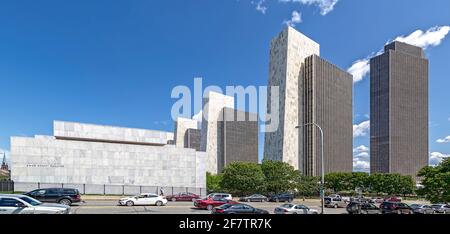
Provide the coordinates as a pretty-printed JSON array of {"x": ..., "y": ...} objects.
[{"x": 96, "y": 206}]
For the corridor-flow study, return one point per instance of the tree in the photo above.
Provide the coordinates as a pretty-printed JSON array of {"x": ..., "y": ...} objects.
[
  {"x": 337, "y": 181},
  {"x": 436, "y": 182},
  {"x": 280, "y": 176},
  {"x": 307, "y": 185},
  {"x": 213, "y": 182},
  {"x": 243, "y": 178}
]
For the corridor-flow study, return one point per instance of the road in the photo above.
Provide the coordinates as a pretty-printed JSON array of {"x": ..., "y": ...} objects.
[{"x": 111, "y": 207}]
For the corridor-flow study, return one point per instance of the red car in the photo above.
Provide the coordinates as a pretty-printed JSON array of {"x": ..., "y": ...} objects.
[
  {"x": 210, "y": 203},
  {"x": 183, "y": 197},
  {"x": 392, "y": 199}
]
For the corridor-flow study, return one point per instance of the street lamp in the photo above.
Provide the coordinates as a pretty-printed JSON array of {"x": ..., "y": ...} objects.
[{"x": 322, "y": 187}]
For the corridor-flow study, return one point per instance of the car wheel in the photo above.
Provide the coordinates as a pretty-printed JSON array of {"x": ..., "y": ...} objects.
[
  {"x": 399, "y": 212},
  {"x": 294, "y": 213},
  {"x": 174, "y": 199},
  {"x": 159, "y": 203},
  {"x": 66, "y": 202},
  {"x": 130, "y": 203},
  {"x": 209, "y": 207}
]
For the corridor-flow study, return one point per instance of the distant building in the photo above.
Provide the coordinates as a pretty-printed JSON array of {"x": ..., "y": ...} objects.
[
  {"x": 226, "y": 139},
  {"x": 4, "y": 170},
  {"x": 312, "y": 90},
  {"x": 399, "y": 110},
  {"x": 239, "y": 139}
]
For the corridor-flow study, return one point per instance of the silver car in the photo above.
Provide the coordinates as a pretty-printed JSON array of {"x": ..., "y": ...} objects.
[
  {"x": 22, "y": 204},
  {"x": 422, "y": 209},
  {"x": 441, "y": 208}
]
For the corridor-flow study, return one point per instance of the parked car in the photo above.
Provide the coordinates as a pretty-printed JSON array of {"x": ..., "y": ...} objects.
[
  {"x": 356, "y": 207},
  {"x": 65, "y": 196},
  {"x": 335, "y": 202},
  {"x": 284, "y": 197},
  {"x": 145, "y": 199},
  {"x": 392, "y": 199},
  {"x": 422, "y": 209},
  {"x": 294, "y": 209},
  {"x": 238, "y": 209},
  {"x": 441, "y": 208},
  {"x": 218, "y": 195},
  {"x": 378, "y": 200},
  {"x": 186, "y": 196},
  {"x": 212, "y": 202},
  {"x": 395, "y": 208},
  {"x": 254, "y": 198},
  {"x": 22, "y": 204}
]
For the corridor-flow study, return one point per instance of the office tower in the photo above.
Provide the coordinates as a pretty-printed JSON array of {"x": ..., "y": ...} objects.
[
  {"x": 239, "y": 137},
  {"x": 192, "y": 139},
  {"x": 311, "y": 91},
  {"x": 399, "y": 110},
  {"x": 287, "y": 54},
  {"x": 226, "y": 139},
  {"x": 327, "y": 101}
]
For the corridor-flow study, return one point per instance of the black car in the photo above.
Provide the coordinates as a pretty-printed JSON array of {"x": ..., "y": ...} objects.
[
  {"x": 254, "y": 198},
  {"x": 238, "y": 209},
  {"x": 395, "y": 208},
  {"x": 356, "y": 207},
  {"x": 284, "y": 197},
  {"x": 66, "y": 196}
]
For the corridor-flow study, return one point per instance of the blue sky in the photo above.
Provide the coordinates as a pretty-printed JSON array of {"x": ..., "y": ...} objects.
[{"x": 116, "y": 62}]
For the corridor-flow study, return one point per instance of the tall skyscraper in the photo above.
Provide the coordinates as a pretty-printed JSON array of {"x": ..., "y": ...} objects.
[
  {"x": 288, "y": 52},
  {"x": 327, "y": 101},
  {"x": 312, "y": 90},
  {"x": 399, "y": 110}
]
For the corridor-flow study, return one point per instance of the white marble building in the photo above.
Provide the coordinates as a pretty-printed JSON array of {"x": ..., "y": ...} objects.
[
  {"x": 287, "y": 55},
  {"x": 86, "y": 154}
]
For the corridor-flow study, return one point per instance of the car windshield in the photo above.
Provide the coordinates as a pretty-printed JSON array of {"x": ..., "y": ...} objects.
[
  {"x": 31, "y": 201},
  {"x": 436, "y": 206},
  {"x": 287, "y": 205}
]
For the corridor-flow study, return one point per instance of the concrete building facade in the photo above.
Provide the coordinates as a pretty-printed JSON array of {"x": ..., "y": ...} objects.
[
  {"x": 238, "y": 138},
  {"x": 185, "y": 133},
  {"x": 311, "y": 90},
  {"x": 93, "y": 155},
  {"x": 399, "y": 110},
  {"x": 288, "y": 52}
]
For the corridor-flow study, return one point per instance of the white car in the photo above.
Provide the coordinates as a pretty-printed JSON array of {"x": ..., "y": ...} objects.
[
  {"x": 294, "y": 209},
  {"x": 145, "y": 199},
  {"x": 225, "y": 196},
  {"x": 22, "y": 204}
]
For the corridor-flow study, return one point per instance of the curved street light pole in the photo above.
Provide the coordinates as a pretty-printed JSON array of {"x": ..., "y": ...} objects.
[{"x": 322, "y": 185}]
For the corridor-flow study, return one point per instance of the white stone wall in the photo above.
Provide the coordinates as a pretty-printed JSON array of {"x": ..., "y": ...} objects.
[
  {"x": 181, "y": 126},
  {"x": 110, "y": 133},
  {"x": 212, "y": 109},
  {"x": 48, "y": 160},
  {"x": 287, "y": 54}
]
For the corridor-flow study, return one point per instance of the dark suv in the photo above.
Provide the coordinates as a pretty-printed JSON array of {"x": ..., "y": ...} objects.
[
  {"x": 65, "y": 196},
  {"x": 395, "y": 208},
  {"x": 284, "y": 197}
]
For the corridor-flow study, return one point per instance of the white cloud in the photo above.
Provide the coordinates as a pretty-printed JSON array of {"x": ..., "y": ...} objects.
[
  {"x": 445, "y": 140},
  {"x": 295, "y": 19},
  {"x": 361, "y": 158},
  {"x": 437, "y": 157},
  {"x": 361, "y": 129},
  {"x": 361, "y": 165},
  {"x": 326, "y": 6},
  {"x": 432, "y": 37},
  {"x": 260, "y": 6}
]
